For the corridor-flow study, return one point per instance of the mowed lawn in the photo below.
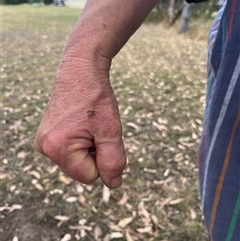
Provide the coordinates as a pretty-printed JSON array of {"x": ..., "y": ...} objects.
[{"x": 159, "y": 80}]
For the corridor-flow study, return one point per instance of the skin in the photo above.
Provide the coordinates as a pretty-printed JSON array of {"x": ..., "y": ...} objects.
[{"x": 81, "y": 129}]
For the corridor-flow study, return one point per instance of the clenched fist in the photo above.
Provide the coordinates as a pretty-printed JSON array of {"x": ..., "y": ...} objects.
[{"x": 81, "y": 128}]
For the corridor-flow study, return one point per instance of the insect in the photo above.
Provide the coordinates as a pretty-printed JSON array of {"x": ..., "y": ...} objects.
[{"x": 91, "y": 113}]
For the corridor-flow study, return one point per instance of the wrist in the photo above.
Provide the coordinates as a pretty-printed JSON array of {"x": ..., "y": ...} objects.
[
  {"x": 86, "y": 55},
  {"x": 83, "y": 76}
]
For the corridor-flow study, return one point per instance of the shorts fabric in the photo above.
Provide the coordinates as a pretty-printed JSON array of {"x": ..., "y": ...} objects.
[{"x": 219, "y": 150}]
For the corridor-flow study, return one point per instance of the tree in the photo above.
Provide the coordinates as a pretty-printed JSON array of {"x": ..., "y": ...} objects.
[
  {"x": 185, "y": 17},
  {"x": 171, "y": 11}
]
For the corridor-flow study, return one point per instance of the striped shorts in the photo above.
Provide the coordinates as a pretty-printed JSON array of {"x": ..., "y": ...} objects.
[{"x": 219, "y": 150}]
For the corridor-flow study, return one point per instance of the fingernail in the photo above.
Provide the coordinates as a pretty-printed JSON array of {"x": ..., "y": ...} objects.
[{"x": 116, "y": 182}]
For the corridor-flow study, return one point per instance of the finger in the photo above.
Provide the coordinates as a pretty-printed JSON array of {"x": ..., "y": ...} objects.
[
  {"x": 73, "y": 157},
  {"x": 111, "y": 160},
  {"x": 81, "y": 166}
]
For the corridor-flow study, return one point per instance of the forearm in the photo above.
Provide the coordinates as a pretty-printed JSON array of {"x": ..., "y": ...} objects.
[{"x": 105, "y": 26}]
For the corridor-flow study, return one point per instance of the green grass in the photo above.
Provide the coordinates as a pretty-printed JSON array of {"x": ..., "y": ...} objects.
[{"x": 159, "y": 80}]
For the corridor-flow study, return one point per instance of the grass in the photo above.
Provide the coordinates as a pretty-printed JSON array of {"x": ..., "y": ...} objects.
[{"x": 159, "y": 80}]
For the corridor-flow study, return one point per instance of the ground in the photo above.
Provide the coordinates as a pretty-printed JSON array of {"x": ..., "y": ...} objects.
[{"x": 159, "y": 80}]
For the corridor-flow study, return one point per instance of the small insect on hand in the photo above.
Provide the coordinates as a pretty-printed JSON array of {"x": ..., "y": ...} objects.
[{"x": 91, "y": 113}]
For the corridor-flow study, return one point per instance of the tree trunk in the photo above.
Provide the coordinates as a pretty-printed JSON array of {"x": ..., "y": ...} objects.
[
  {"x": 171, "y": 10},
  {"x": 185, "y": 17}
]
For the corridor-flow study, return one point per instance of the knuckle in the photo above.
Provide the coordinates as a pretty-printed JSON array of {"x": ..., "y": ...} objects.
[
  {"x": 108, "y": 131},
  {"x": 113, "y": 130},
  {"x": 49, "y": 146}
]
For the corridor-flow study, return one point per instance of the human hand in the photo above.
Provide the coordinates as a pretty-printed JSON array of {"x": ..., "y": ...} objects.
[
  {"x": 81, "y": 128},
  {"x": 82, "y": 114}
]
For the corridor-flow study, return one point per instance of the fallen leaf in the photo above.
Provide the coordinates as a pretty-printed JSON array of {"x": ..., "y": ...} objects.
[
  {"x": 162, "y": 121},
  {"x": 4, "y": 208},
  {"x": 116, "y": 235},
  {"x": 15, "y": 238},
  {"x": 35, "y": 174},
  {"x": 124, "y": 222},
  {"x": 194, "y": 136},
  {"x": 53, "y": 169},
  {"x": 77, "y": 236},
  {"x": 79, "y": 188},
  {"x": 193, "y": 214},
  {"x": 71, "y": 199},
  {"x": 159, "y": 127},
  {"x": 128, "y": 236},
  {"x": 56, "y": 191},
  {"x": 15, "y": 207},
  {"x": 3, "y": 176},
  {"x": 25, "y": 169},
  {"x": 166, "y": 173},
  {"x": 124, "y": 199},
  {"x": 83, "y": 233},
  {"x": 82, "y": 200},
  {"x": 106, "y": 238},
  {"x": 66, "y": 237},
  {"x": 37, "y": 185},
  {"x": 145, "y": 230},
  {"x": 106, "y": 194},
  {"x": 152, "y": 171},
  {"x": 64, "y": 179},
  {"x": 174, "y": 202},
  {"x": 114, "y": 227},
  {"x": 5, "y": 161},
  {"x": 156, "y": 222},
  {"x": 89, "y": 187},
  {"x": 12, "y": 188},
  {"x": 133, "y": 125},
  {"x": 82, "y": 221},
  {"x": 177, "y": 128},
  {"x": 61, "y": 218},
  {"x": 22, "y": 155},
  {"x": 97, "y": 233}
]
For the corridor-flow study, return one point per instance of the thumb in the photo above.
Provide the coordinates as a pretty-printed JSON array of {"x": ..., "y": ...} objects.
[{"x": 111, "y": 160}]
